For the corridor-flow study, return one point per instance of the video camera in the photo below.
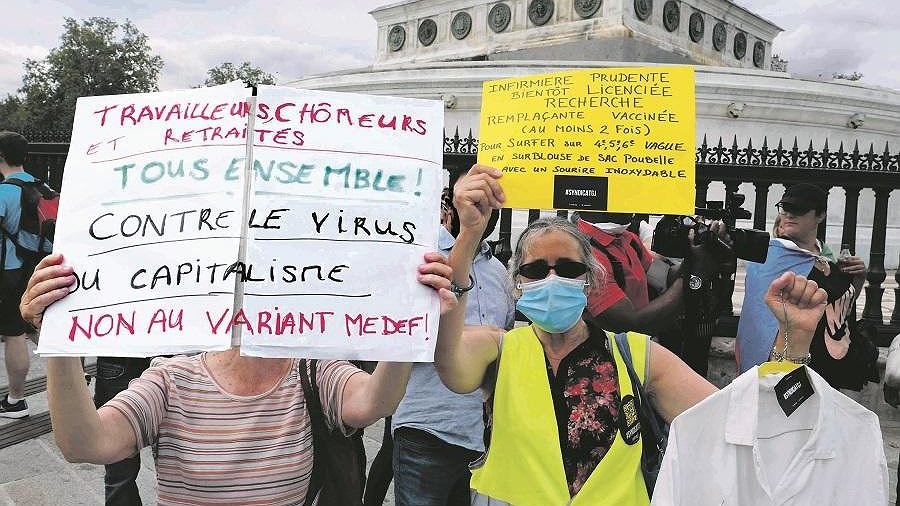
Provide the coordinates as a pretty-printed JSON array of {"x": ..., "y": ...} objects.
[{"x": 671, "y": 235}]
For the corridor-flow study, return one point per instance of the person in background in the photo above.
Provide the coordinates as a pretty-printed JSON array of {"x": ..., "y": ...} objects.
[
  {"x": 113, "y": 376},
  {"x": 437, "y": 433},
  {"x": 825, "y": 249},
  {"x": 13, "y": 150},
  {"x": 622, "y": 301},
  {"x": 797, "y": 249}
]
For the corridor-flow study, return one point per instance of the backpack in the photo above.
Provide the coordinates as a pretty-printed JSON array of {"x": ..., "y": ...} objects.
[
  {"x": 339, "y": 462},
  {"x": 37, "y": 225}
]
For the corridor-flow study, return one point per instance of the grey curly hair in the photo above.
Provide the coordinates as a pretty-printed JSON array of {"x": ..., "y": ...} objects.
[{"x": 596, "y": 274}]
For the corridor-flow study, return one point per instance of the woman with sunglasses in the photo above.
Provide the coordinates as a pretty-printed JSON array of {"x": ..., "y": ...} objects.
[
  {"x": 825, "y": 249},
  {"x": 796, "y": 248},
  {"x": 564, "y": 427}
]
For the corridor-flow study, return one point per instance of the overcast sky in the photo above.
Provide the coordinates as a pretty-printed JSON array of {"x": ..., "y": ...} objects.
[{"x": 291, "y": 39}]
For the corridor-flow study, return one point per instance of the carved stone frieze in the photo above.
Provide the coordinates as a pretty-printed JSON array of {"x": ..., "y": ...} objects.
[
  {"x": 586, "y": 8},
  {"x": 759, "y": 53},
  {"x": 396, "y": 38},
  {"x": 499, "y": 17},
  {"x": 427, "y": 32},
  {"x": 696, "y": 26},
  {"x": 643, "y": 9},
  {"x": 461, "y": 25},
  {"x": 720, "y": 36},
  {"x": 671, "y": 15},
  {"x": 540, "y": 11},
  {"x": 740, "y": 45}
]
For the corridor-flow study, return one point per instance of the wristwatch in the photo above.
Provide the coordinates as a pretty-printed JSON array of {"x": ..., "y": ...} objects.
[{"x": 459, "y": 291}]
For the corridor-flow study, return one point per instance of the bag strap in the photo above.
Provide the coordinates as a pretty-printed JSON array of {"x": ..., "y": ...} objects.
[
  {"x": 15, "y": 182},
  {"x": 638, "y": 389},
  {"x": 7, "y": 234},
  {"x": 489, "y": 387},
  {"x": 625, "y": 351},
  {"x": 638, "y": 246},
  {"x": 21, "y": 185},
  {"x": 2, "y": 247},
  {"x": 618, "y": 272},
  {"x": 44, "y": 191},
  {"x": 307, "y": 373}
]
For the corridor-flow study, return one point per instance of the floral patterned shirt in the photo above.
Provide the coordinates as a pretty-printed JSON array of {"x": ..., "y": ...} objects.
[{"x": 586, "y": 399}]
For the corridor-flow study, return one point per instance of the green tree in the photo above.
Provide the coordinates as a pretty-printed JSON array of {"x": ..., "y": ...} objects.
[
  {"x": 11, "y": 114},
  {"x": 227, "y": 72},
  {"x": 96, "y": 56}
]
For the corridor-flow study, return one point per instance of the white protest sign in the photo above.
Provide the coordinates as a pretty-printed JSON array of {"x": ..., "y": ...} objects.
[
  {"x": 353, "y": 208},
  {"x": 150, "y": 218},
  {"x": 155, "y": 204}
]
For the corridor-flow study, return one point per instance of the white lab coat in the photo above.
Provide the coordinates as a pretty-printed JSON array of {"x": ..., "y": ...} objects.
[{"x": 738, "y": 448}]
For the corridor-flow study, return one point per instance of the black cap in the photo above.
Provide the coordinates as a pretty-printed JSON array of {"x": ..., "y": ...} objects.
[{"x": 806, "y": 196}]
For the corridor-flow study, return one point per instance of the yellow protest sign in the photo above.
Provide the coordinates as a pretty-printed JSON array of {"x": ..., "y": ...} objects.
[{"x": 616, "y": 139}]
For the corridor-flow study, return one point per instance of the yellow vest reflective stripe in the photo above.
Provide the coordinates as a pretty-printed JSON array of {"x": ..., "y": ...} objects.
[{"x": 524, "y": 462}]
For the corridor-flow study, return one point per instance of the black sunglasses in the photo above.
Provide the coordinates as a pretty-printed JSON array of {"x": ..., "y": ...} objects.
[
  {"x": 539, "y": 269},
  {"x": 787, "y": 207}
]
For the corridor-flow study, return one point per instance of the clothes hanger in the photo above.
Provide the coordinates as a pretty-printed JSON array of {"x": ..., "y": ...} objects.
[{"x": 777, "y": 367}]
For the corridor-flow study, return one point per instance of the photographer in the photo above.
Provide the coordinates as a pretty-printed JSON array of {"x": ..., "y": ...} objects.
[{"x": 621, "y": 302}]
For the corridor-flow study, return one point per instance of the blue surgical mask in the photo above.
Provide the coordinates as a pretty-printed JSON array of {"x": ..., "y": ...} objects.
[{"x": 553, "y": 304}]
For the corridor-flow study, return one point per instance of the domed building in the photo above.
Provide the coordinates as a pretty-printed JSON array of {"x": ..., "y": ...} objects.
[{"x": 758, "y": 127}]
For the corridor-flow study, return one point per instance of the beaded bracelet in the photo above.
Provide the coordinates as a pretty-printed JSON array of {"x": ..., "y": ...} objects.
[{"x": 777, "y": 356}]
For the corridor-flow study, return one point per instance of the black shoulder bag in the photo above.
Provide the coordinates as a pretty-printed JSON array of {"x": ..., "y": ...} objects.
[
  {"x": 654, "y": 431},
  {"x": 338, "y": 474}
]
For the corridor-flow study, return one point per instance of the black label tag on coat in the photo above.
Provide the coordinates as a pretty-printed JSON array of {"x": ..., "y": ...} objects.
[
  {"x": 793, "y": 389},
  {"x": 629, "y": 423}
]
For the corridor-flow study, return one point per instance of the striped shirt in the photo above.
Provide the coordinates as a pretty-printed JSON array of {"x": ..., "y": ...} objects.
[{"x": 215, "y": 447}]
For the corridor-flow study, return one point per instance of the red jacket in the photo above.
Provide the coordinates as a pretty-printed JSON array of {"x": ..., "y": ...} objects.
[{"x": 625, "y": 260}]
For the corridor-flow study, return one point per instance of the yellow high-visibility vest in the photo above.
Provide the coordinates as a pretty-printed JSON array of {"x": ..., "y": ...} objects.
[{"x": 524, "y": 463}]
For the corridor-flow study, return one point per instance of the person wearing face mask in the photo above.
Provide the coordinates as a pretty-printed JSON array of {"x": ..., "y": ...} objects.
[
  {"x": 559, "y": 390},
  {"x": 622, "y": 302}
]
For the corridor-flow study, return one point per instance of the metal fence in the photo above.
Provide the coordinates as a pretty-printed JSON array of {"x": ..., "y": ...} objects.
[
  {"x": 732, "y": 165},
  {"x": 727, "y": 163}
]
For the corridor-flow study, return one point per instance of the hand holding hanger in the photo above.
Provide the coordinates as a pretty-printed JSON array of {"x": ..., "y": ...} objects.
[{"x": 798, "y": 305}]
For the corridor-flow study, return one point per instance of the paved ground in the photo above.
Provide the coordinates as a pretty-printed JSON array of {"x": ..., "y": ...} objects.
[{"x": 34, "y": 473}]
